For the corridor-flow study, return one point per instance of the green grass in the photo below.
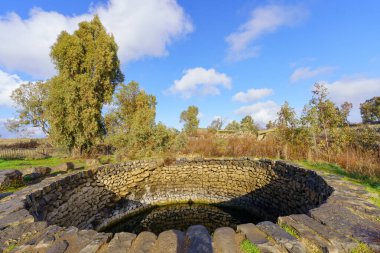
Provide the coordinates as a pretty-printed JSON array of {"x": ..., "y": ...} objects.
[
  {"x": 249, "y": 247},
  {"x": 10, "y": 248},
  {"x": 48, "y": 162},
  {"x": 362, "y": 248},
  {"x": 11, "y": 189},
  {"x": 290, "y": 230},
  {"x": 372, "y": 184}
]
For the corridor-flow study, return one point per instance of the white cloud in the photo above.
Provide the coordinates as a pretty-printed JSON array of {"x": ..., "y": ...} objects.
[
  {"x": 261, "y": 112},
  {"x": 264, "y": 19},
  {"x": 200, "y": 81},
  {"x": 8, "y": 83},
  {"x": 252, "y": 95},
  {"x": 25, "y": 132},
  {"x": 141, "y": 28},
  {"x": 356, "y": 91},
  {"x": 307, "y": 73}
]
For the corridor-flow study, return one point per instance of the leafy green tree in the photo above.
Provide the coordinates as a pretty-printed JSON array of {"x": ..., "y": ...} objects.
[
  {"x": 370, "y": 110},
  {"x": 345, "y": 109},
  {"x": 88, "y": 72},
  {"x": 131, "y": 122},
  {"x": 286, "y": 123},
  {"x": 190, "y": 119},
  {"x": 233, "y": 126},
  {"x": 287, "y": 129},
  {"x": 165, "y": 138},
  {"x": 324, "y": 122},
  {"x": 29, "y": 99},
  {"x": 247, "y": 125}
]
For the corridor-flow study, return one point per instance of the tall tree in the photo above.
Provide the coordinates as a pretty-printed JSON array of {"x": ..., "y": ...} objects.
[
  {"x": 190, "y": 119},
  {"x": 345, "y": 109},
  {"x": 29, "y": 99},
  {"x": 325, "y": 122},
  {"x": 88, "y": 72},
  {"x": 131, "y": 123},
  {"x": 370, "y": 110},
  {"x": 286, "y": 123},
  {"x": 287, "y": 128},
  {"x": 247, "y": 125}
]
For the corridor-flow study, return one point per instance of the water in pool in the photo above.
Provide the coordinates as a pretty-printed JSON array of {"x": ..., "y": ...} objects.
[{"x": 182, "y": 216}]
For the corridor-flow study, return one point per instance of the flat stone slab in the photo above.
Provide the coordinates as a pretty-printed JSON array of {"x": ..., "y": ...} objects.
[
  {"x": 198, "y": 240},
  {"x": 120, "y": 243},
  {"x": 312, "y": 241},
  {"x": 144, "y": 243},
  {"x": 341, "y": 220},
  {"x": 170, "y": 241},
  {"x": 224, "y": 240},
  {"x": 340, "y": 241},
  {"x": 286, "y": 240},
  {"x": 16, "y": 218},
  {"x": 252, "y": 233}
]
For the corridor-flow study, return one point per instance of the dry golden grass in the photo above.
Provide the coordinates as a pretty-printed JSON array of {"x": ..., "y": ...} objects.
[{"x": 353, "y": 160}]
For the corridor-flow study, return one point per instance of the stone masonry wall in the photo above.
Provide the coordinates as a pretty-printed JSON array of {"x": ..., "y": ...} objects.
[{"x": 262, "y": 186}]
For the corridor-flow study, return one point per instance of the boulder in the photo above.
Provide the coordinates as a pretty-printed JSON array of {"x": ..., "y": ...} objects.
[
  {"x": 43, "y": 171},
  {"x": 64, "y": 167},
  {"x": 36, "y": 173},
  {"x": 10, "y": 178}
]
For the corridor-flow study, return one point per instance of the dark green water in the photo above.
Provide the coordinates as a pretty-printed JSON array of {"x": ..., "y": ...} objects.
[{"x": 182, "y": 216}]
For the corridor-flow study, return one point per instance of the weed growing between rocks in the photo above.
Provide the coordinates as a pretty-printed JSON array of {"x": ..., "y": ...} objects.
[
  {"x": 290, "y": 230},
  {"x": 249, "y": 247},
  {"x": 362, "y": 248}
]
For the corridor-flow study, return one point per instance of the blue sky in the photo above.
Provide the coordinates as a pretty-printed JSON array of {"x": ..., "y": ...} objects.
[{"x": 229, "y": 58}]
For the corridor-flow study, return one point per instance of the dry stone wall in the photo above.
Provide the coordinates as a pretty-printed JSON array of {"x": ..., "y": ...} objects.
[
  {"x": 346, "y": 221},
  {"x": 268, "y": 189}
]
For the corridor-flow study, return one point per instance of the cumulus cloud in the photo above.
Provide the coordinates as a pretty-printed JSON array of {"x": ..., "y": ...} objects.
[
  {"x": 8, "y": 83},
  {"x": 263, "y": 20},
  {"x": 261, "y": 112},
  {"x": 252, "y": 95},
  {"x": 356, "y": 91},
  {"x": 200, "y": 81},
  {"x": 307, "y": 73},
  {"x": 141, "y": 28}
]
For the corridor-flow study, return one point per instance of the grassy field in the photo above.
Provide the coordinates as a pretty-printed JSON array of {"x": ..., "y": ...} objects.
[{"x": 48, "y": 162}]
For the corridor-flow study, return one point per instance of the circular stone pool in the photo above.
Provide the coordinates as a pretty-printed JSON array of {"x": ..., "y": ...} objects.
[
  {"x": 99, "y": 198},
  {"x": 182, "y": 216}
]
